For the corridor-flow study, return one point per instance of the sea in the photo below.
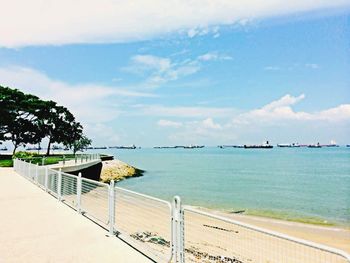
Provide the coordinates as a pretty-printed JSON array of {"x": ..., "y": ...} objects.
[{"x": 299, "y": 184}]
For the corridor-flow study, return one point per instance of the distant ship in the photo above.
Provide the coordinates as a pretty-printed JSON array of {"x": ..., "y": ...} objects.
[
  {"x": 33, "y": 148},
  {"x": 193, "y": 146},
  {"x": 55, "y": 147},
  {"x": 332, "y": 144},
  {"x": 318, "y": 145},
  {"x": 180, "y": 146},
  {"x": 100, "y": 148},
  {"x": 266, "y": 145},
  {"x": 230, "y": 146},
  {"x": 123, "y": 147},
  {"x": 289, "y": 145},
  {"x": 3, "y": 149}
]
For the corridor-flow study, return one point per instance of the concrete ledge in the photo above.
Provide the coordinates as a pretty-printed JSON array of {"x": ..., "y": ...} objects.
[{"x": 90, "y": 169}]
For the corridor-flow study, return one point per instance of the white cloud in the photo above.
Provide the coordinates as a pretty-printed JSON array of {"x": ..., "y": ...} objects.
[
  {"x": 161, "y": 70},
  {"x": 102, "y": 134},
  {"x": 272, "y": 68},
  {"x": 184, "y": 112},
  {"x": 293, "y": 67},
  {"x": 93, "y": 105},
  {"x": 198, "y": 132},
  {"x": 312, "y": 65},
  {"x": 286, "y": 100},
  {"x": 202, "y": 31},
  {"x": 209, "y": 124},
  {"x": 158, "y": 63},
  {"x": 280, "y": 112},
  {"x": 167, "y": 123},
  {"x": 38, "y": 22},
  {"x": 89, "y": 102},
  {"x": 276, "y": 120},
  {"x": 213, "y": 56}
]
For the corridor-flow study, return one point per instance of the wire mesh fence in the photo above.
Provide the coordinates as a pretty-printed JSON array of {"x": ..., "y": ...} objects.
[
  {"x": 94, "y": 201},
  {"x": 173, "y": 233},
  {"x": 69, "y": 189},
  {"x": 145, "y": 221},
  {"x": 209, "y": 238},
  {"x": 52, "y": 182},
  {"x": 41, "y": 174}
]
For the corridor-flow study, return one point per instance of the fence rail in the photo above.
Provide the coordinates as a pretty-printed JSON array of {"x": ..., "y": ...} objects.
[{"x": 170, "y": 232}]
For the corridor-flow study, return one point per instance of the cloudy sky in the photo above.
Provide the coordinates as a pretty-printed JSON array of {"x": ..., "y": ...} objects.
[{"x": 179, "y": 72}]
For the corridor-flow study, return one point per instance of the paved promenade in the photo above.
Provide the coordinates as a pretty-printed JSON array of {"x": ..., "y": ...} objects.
[{"x": 35, "y": 227}]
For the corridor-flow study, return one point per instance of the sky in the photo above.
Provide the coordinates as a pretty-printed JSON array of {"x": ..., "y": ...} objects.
[{"x": 155, "y": 73}]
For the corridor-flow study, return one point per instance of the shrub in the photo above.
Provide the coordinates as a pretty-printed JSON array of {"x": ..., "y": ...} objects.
[{"x": 25, "y": 155}]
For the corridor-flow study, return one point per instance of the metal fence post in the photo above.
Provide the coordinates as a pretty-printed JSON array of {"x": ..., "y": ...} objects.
[
  {"x": 29, "y": 170},
  {"x": 43, "y": 161},
  {"x": 64, "y": 160},
  {"x": 111, "y": 206},
  {"x": 79, "y": 183},
  {"x": 14, "y": 164},
  {"x": 59, "y": 185},
  {"x": 178, "y": 230},
  {"x": 37, "y": 173},
  {"x": 46, "y": 178}
]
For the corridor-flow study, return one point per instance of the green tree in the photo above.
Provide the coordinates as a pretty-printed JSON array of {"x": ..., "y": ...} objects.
[
  {"x": 80, "y": 144},
  {"x": 58, "y": 124},
  {"x": 18, "y": 116},
  {"x": 26, "y": 119}
]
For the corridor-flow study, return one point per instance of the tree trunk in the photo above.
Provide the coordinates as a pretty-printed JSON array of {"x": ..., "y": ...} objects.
[
  {"x": 14, "y": 149},
  {"x": 48, "y": 148}
]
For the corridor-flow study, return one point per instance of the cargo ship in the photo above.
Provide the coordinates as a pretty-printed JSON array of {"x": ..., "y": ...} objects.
[{"x": 266, "y": 145}]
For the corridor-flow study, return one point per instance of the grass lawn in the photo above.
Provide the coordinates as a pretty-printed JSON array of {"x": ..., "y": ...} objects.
[
  {"x": 53, "y": 159},
  {"x": 38, "y": 160},
  {"x": 6, "y": 163}
]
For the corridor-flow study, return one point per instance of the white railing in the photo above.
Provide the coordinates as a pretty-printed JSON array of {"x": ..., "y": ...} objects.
[
  {"x": 170, "y": 232},
  {"x": 78, "y": 158}
]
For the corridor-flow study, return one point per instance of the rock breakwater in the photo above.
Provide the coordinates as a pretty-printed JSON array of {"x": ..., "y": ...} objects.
[{"x": 118, "y": 170}]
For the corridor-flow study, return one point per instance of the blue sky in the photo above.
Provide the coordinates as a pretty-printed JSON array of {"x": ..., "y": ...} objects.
[{"x": 279, "y": 75}]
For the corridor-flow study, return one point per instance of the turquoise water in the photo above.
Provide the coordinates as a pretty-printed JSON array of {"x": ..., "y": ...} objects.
[{"x": 289, "y": 183}]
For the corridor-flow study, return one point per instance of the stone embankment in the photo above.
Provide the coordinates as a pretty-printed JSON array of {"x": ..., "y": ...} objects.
[{"x": 118, "y": 170}]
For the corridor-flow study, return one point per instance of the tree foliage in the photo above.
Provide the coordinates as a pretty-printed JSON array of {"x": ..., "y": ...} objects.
[
  {"x": 79, "y": 144},
  {"x": 26, "y": 119}
]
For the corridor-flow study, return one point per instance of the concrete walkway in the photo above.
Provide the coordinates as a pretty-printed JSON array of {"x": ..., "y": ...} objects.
[{"x": 35, "y": 227}]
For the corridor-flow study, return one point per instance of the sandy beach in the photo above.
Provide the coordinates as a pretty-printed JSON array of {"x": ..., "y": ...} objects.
[{"x": 338, "y": 237}]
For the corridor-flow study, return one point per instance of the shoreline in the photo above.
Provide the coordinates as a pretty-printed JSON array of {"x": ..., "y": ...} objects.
[
  {"x": 330, "y": 235},
  {"x": 282, "y": 216},
  {"x": 315, "y": 230}
]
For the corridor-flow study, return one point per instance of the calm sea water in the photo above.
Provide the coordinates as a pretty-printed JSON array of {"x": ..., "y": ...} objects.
[{"x": 290, "y": 183}]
